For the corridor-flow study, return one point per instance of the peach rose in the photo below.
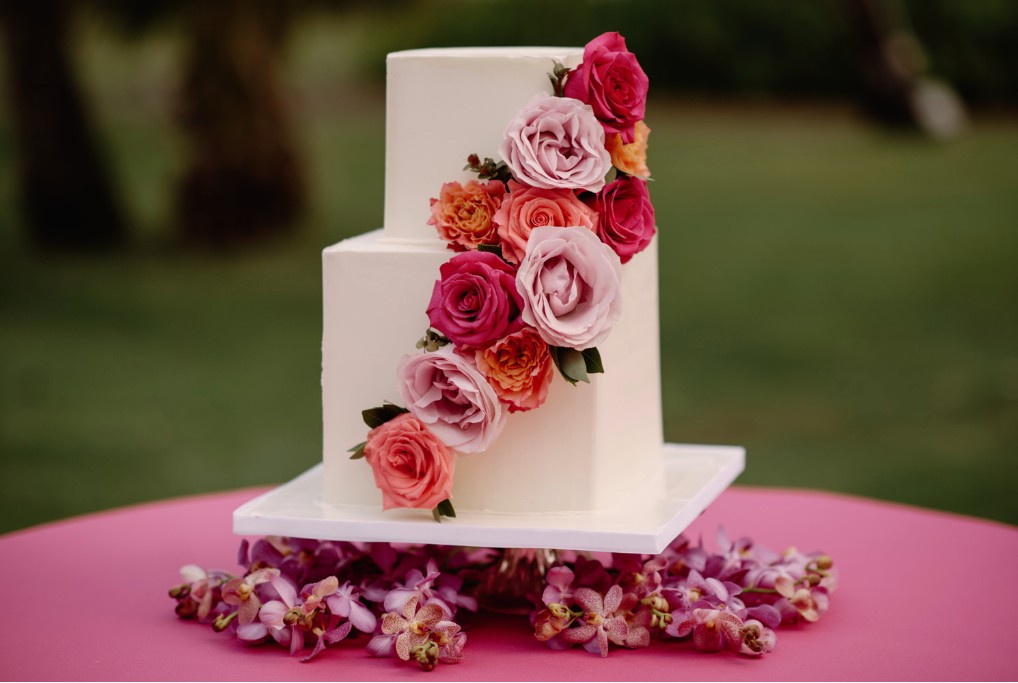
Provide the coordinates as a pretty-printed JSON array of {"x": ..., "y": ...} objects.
[
  {"x": 412, "y": 468},
  {"x": 462, "y": 213},
  {"x": 526, "y": 208},
  {"x": 519, "y": 369},
  {"x": 632, "y": 158}
]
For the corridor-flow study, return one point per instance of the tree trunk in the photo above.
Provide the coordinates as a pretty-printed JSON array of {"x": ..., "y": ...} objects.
[
  {"x": 66, "y": 196},
  {"x": 244, "y": 179}
]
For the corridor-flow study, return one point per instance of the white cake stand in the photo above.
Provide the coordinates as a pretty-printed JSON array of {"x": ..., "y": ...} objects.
[{"x": 644, "y": 520}]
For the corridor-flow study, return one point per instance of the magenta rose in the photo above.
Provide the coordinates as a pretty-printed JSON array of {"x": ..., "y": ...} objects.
[
  {"x": 627, "y": 216},
  {"x": 571, "y": 284},
  {"x": 612, "y": 82},
  {"x": 412, "y": 468},
  {"x": 452, "y": 398},
  {"x": 526, "y": 208},
  {"x": 475, "y": 301},
  {"x": 556, "y": 143}
]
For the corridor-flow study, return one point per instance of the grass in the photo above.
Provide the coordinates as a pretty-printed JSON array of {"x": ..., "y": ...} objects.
[{"x": 839, "y": 300}]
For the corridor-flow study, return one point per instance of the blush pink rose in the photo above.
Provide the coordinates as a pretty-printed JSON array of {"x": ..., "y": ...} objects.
[
  {"x": 519, "y": 368},
  {"x": 412, "y": 468},
  {"x": 526, "y": 208},
  {"x": 612, "y": 82},
  {"x": 556, "y": 143},
  {"x": 571, "y": 284},
  {"x": 627, "y": 216},
  {"x": 452, "y": 398},
  {"x": 475, "y": 301},
  {"x": 462, "y": 213}
]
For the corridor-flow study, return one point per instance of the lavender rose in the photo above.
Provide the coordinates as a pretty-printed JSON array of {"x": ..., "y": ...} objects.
[
  {"x": 556, "y": 143},
  {"x": 571, "y": 284},
  {"x": 447, "y": 393},
  {"x": 612, "y": 82},
  {"x": 627, "y": 216},
  {"x": 475, "y": 301}
]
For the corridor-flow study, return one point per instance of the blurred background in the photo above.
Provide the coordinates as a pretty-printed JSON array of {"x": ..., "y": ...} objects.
[{"x": 836, "y": 185}]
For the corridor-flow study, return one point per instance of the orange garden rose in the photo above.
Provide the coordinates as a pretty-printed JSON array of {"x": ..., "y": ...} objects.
[
  {"x": 632, "y": 158},
  {"x": 463, "y": 214},
  {"x": 519, "y": 369},
  {"x": 412, "y": 468}
]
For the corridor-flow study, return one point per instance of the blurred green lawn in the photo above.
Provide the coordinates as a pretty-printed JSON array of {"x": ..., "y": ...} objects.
[{"x": 840, "y": 300}]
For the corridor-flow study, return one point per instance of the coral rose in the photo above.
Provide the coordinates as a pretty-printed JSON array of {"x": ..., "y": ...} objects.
[
  {"x": 526, "y": 208},
  {"x": 412, "y": 468},
  {"x": 475, "y": 301},
  {"x": 452, "y": 398},
  {"x": 632, "y": 158},
  {"x": 627, "y": 216},
  {"x": 519, "y": 368},
  {"x": 571, "y": 284},
  {"x": 462, "y": 213},
  {"x": 556, "y": 143},
  {"x": 612, "y": 82}
]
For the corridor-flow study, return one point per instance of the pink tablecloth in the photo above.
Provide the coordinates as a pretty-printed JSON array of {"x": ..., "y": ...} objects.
[{"x": 923, "y": 595}]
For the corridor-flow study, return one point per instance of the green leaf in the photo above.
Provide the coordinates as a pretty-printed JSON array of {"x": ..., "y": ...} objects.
[
  {"x": 446, "y": 509},
  {"x": 491, "y": 249},
  {"x": 376, "y": 417},
  {"x": 592, "y": 360},
  {"x": 358, "y": 451},
  {"x": 436, "y": 514},
  {"x": 570, "y": 363}
]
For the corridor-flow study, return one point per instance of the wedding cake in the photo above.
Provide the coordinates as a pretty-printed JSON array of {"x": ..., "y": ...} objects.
[{"x": 554, "y": 445}]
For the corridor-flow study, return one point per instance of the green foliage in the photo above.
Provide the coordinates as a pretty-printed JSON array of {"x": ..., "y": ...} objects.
[{"x": 751, "y": 47}]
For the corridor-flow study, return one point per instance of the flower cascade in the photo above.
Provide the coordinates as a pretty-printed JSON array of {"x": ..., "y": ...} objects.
[
  {"x": 536, "y": 282},
  {"x": 406, "y": 602}
]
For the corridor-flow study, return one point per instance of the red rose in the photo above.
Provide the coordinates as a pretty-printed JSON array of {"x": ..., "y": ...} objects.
[
  {"x": 412, "y": 468},
  {"x": 475, "y": 301},
  {"x": 627, "y": 216},
  {"x": 611, "y": 81}
]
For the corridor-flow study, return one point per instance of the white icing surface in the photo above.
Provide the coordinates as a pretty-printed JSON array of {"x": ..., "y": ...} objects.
[{"x": 443, "y": 105}]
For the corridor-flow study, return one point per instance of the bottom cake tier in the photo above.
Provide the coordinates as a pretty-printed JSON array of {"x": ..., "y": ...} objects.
[{"x": 587, "y": 446}]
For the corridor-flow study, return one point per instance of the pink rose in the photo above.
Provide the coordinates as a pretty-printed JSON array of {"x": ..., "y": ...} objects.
[
  {"x": 526, "y": 208},
  {"x": 627, "y": 216},
  {"x": 556, "y": 143},
  {"x": 475, "y": 301},
  {"x": 462, "y": 213},
  {"x": 571, "y": 284},
  {"x": 519, "y": 368},
  {"x": 447, "y": 393},
  {"x": 412, "y": 468},
  {"x": 611, "y": 81}
]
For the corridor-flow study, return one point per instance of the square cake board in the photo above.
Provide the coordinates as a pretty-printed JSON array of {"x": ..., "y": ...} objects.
[{"x": 644, "y": 520}]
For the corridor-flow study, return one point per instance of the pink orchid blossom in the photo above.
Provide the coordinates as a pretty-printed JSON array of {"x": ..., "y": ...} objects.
[
  {"x": 601, "y": 622},
  {"x": 757, "y": 639},
  {"x": 713, "y": 630}
]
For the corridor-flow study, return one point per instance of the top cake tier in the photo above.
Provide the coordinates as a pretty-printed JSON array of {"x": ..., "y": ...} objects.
[{"x": 445, "y": 104}]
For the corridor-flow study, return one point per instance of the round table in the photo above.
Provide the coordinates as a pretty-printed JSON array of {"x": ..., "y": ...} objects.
[{"x": 922, "y": 595}]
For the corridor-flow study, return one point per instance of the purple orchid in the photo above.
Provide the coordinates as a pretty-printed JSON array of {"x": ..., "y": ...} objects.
[
  {"x": 345, "y": 603},
  {"x": 637, "y": 576},
  {"x": 329, "y": 634},
  {"x": 243, "y": 594},
  {"x": 429, "y": 589},
  {"x": 283, "y": 619}
]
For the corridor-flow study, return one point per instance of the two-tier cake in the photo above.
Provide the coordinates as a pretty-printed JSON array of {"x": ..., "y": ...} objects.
[{"x": 591, "y": 457}]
